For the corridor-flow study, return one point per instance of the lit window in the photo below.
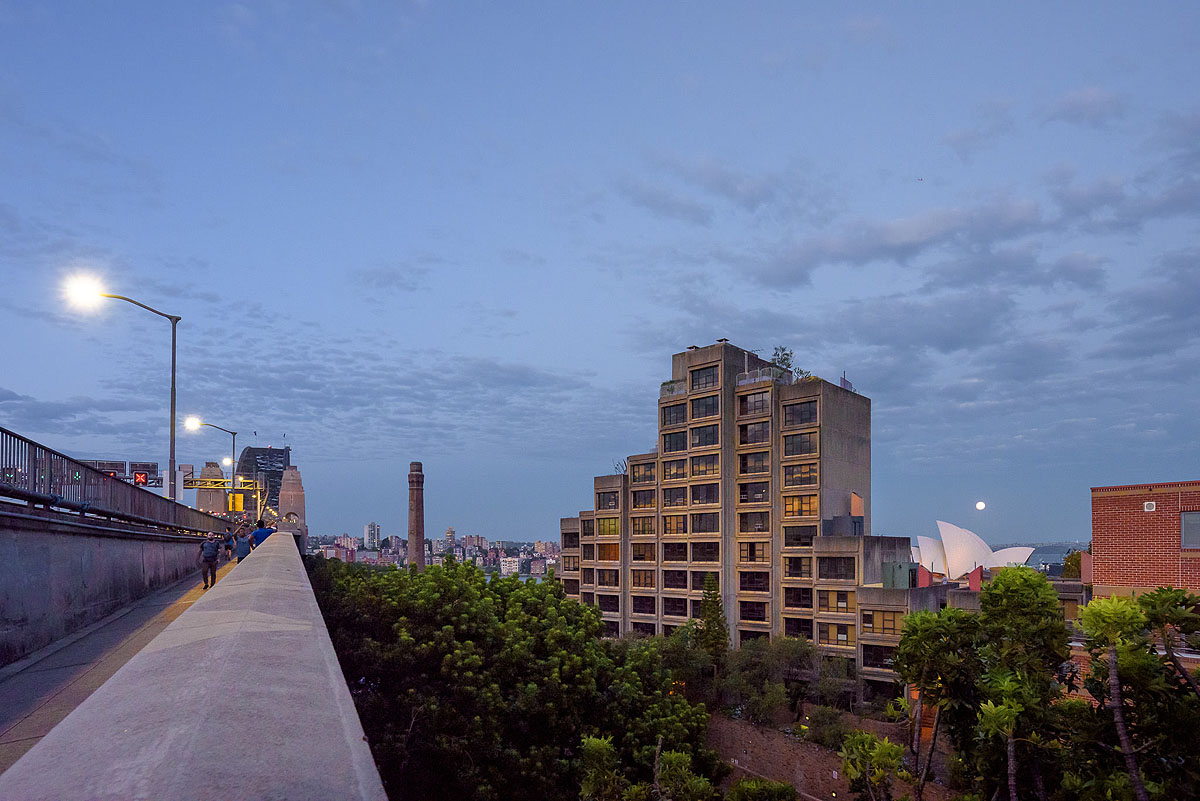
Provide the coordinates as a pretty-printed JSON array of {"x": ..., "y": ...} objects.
[
  {"x": 800, "y": 505},
  {"x": 674, "y": 470},
  {"x": 674, "y": 524},
  {"x": 709, "y": 465},
  {"x": 642, "y": 473},
  {"x": 800, "y": 475},
  {"x": 608, "y": 527}
]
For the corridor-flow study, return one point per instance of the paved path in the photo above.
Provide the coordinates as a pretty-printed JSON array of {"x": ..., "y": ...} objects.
[{"x": 40, "y": 690}]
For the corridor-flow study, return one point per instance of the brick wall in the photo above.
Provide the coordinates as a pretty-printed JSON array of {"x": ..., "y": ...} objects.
[{"x": 1134, "y": 548}]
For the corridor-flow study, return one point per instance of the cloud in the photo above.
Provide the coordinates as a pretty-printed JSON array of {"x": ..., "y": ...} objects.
[
  {"x": 993, "y": 122},
  {"x": 1091, "y": 106},
  {"x": 1156, "y": 318},
  {"x": 664, "y": 203},
  {"x": 408, "y": 278}
]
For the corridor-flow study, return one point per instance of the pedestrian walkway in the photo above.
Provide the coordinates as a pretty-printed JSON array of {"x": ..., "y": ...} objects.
[{"x": 40, "y": 690}]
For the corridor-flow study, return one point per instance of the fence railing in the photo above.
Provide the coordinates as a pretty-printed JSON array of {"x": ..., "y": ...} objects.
[{"x": 34, "y": 473}]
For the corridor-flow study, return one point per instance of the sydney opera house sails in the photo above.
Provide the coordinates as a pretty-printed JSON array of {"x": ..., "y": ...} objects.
[{"x": 960, "y": 551}]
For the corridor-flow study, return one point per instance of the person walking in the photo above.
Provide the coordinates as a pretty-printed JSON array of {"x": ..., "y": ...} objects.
[
  {"x": 261, "y": 533},
  {"x": 227, "y": 542},
  {"x": 245, "y": 544},
  {"x": 210, "y": 552}
]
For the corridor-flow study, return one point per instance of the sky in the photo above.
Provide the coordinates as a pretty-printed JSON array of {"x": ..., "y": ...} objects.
[{"x": 472, "y": 234}]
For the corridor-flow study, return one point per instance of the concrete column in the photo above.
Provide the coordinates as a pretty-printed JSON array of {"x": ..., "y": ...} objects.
[{"x": 416, "y": 516}]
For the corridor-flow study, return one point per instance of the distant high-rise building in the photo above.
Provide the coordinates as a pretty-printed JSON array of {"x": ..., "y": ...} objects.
[
  {"x": 211, "y": 500},
  {"x": 761, "y": 481},
  {"x": 451, "y": 541},
  {"x": 416, "y": 515},
  {"x": 371, "y": 536}
]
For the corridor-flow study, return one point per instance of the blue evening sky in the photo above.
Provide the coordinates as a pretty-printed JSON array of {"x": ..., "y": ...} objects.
[{"x": 472, "y": 234}]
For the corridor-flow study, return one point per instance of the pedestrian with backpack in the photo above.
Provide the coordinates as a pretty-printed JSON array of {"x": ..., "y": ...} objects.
[
  {"x": 210, "y": 552},
  {"x": 227, "y": 541}
]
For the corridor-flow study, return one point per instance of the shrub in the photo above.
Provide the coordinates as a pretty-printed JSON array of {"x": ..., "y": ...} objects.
[
  {"x": 826, "y": 727},
  {"x": 760, "y": 790}
]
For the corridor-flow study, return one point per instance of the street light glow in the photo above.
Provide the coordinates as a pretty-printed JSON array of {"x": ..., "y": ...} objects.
[
  {"x": 84, "y": 291},
  {"x": 227, "y": 461},
  {"x": 192, "y": 423}
]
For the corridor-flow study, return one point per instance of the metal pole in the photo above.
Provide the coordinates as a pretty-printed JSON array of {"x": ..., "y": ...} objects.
[
  {"x": 173, "y": 489},
  {"x": 232, "y": 471}
]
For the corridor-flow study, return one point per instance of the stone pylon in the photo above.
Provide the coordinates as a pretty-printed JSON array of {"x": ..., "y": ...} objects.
[{"x": 416, "y": 516}]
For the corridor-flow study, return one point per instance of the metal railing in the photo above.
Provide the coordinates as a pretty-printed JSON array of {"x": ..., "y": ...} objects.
[
  {"x": 777, "y": 374},
  {"x": 36, "y": 474}
]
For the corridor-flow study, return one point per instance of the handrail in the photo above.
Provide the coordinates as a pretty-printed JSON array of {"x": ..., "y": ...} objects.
[{"x": 31, "y": 472}]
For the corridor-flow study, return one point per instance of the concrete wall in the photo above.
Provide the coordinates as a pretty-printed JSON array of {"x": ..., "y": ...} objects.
[
  {"x": 240, "y": 697},
  {"x": 59, "y": 573}
]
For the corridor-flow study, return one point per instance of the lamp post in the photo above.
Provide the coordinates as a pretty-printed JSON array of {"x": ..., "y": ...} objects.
[
  {"x": 86, "y": 292},
  {"x": 193, "y": 423}
]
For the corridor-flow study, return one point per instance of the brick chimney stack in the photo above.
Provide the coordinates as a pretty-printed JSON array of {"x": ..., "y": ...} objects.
[{"x": 416, "y": 516}]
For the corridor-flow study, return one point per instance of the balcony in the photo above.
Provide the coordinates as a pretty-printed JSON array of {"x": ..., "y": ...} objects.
[
  {"x": 671, "y": 388},
  {"x": 775, "y": 374}
]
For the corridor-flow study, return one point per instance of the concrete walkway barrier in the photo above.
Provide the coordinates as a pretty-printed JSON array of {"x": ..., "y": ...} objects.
[{"x": 240, "y": 697}]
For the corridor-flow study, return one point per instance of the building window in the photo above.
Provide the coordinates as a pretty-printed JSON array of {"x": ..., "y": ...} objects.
[
  {"x": 749, "y": 463},
  {"x": 754, "y": 581},
  {"x": 643, "y": 552},
  {"x": 800, "y": 444},
  {"x": 800, "y": 414},
  {"x": 835, "y": 634},
  {"x": 589, "y": 553},
  {"x": 756, "y": 492},
  {"x": 588, "y": 598},
  {"x": 608, "y": 552},
  {"x": 696, "y": 608},
  {"x": 645, "y": 629},
  {"x": 800, "y": 475},
  {"x": 800, "y": 505},
  {"x": 754, "y": 521},
  {"x": 798, "y": 536},
  {"x": 797, "y": 567},
  {"x": 606, "y": 500},
  {"x": 752, "y": 610},
  {"x": 608, "y": 578},
  {"x": 608, "y": 527},
  {"x": 881, "y": 622},
  {"x": 570, "y": 563},
  {"x": 709, "y": 465},
  {"x": 609, "y": 603},
  {"x": 706, "y": 493},
  {"x": 642, "y": 578},
  {"x": 798, "y": 627},
  {"x": 674, "y": 470},
  {"x": 754, "y": 403},
  {"x": 674, "y": 551},
  {"x": 588, "y": 575},
  {"x": 643, "y": 526},
  {"x": 1189, "y": 529},
  {"x": 798, "y": 597},
  {"x": 675, "y": 415},
  {"x": 753, "y": 433},
  {"x": 642, "y": 473},
  {"x": 570, "y": 541},
  {"x": 675, "y": 607},
  {"x": 698, "y": 578},
  {"x": 706, "y": 551},
  {"x": 745, "y": 636},
  {"x": 643, "y": 604},
  {"x": 706, "y": 407},
  {"x": 704, "y": 378},
  {"x": 643, "y": 499},
  {"x": 675, "y": 579},
  {"x": 878, "y": 656},
  {"x": 587, "y": 528},
  {"x": 611, "y": 627},
  {"x": 669, "y": 630},
  {"x": 674, "y": 496},
  {"x": 571, "y": 586},
  {"x": 703, "y": 436},
  {"x": 835, "y": 601},
  {"x": 674, "y": 443},
  {"x": 754, "y": 551},
  {"x": 674, "y": 524},
  {"x": 836, "y": 567}
]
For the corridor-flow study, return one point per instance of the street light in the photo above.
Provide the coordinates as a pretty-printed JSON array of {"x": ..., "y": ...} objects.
[
  {"x": 193, "y": 423},
  {"x": 85, "y": 292}
]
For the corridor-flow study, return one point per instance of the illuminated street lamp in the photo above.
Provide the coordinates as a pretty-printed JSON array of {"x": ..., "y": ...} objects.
[
  {"x": 193, "y": 423},
  {"x": 86, "y": 292}
]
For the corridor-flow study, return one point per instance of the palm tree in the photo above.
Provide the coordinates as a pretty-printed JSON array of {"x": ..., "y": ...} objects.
[{"x": 1111, "y": 622}]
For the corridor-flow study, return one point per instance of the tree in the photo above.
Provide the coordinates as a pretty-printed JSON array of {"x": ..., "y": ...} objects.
[
  {"x": 714, "y": 631},
  {"x": 870, "y": 764},
  {"x": 1072, "y": 568},
  {"x": 501, "y": 679},
  {"x": 1000, "y": 720},
  {"x": 782, "y": 357},
  {"x": 1172, "y": 614},
  {"x": 765, "y": 675},
  {"x": 1110, "y": 623}
]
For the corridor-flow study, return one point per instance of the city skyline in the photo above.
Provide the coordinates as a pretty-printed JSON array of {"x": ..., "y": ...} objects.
[{"x": 472, "y": 237}]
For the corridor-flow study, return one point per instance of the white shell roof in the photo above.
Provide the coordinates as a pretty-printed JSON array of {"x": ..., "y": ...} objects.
[{"x": 959, "y": 551}]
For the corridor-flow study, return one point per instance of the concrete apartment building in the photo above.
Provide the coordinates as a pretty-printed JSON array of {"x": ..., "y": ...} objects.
[
  {"x": 1145, "y": 536},
  {"x": 765, "y": 482}
]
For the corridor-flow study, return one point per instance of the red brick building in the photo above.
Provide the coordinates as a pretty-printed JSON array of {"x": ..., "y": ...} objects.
[{"x": 1145, "y": 536}]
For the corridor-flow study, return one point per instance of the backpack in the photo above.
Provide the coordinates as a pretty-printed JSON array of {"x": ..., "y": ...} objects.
[{"x": 210, "y": 549}]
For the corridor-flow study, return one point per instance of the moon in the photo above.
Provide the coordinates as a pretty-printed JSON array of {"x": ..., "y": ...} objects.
[{"x": 981, "y": 506}]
